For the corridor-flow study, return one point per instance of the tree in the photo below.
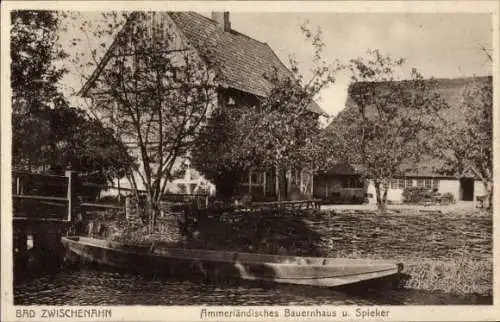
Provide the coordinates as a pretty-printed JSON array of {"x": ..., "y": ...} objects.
[
  {"x": 385, "y": 125},
  {"x": 277, "y": 134},
  {"x": 48, "y": 135},
  {"x": 34, "y": 52},
  {"x": 67, "y": 138},
  {"x": 155, "y": 92},
  {"x": 467, "y": 144},
  {"x": 83, "y": 144}
]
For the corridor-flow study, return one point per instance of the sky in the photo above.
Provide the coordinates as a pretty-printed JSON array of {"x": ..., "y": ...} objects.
[{"x": 439, "y": 45}]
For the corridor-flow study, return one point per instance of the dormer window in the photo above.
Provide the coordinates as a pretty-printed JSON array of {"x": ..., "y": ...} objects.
[
  {"x": 230, "y": 101},
  {"x": 180, "y": 75}
]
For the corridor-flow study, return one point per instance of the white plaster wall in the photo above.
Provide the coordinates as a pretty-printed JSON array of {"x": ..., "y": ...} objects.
[
  {"x": 393, "y": 195},
  {"x": 450, "y": 185},
  {"x": 478, "y": 189},
  {"x": 445, "y": 185},
  {"x": 371, "y": 190}
]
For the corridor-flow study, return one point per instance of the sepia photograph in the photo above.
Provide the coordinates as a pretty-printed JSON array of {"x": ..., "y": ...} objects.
[{"x": 212, "y": 156}]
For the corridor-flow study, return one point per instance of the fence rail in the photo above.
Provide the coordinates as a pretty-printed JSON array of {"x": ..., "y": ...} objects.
[
  {"x": 102, "y": 206},
  {"x": 36, "y": 208},
  {"x": 52, "y": 197},
  {"x": 35, "y": 197}
]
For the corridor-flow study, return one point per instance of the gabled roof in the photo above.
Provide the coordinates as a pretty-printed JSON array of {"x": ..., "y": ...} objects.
[{"x": 243, "y": 63}]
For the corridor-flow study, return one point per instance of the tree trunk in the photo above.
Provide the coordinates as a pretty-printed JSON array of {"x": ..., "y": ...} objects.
[
  {"x": 377, "y": 192},
  {"x": 488, "y": 187},
  {"x": 278, "y": 188},
  {"x": 155, "y": 212},
  {"x": 384, "y": 198},
  {"x": 381, "y": 199},
  {"x": 150, "y": 212}
]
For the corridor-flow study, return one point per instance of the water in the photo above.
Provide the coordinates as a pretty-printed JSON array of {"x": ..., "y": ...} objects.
[{"x": 91, "y": 286}]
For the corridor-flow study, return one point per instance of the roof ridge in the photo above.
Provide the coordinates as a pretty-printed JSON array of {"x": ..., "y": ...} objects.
[
  {"x": 231, "y": 29},
  {"x": 440, "y": 79}
]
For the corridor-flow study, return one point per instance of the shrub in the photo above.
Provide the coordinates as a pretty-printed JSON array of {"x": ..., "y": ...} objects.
[
  {"x": 448, "y": 198},
  {"x": 416, "y": 195}
]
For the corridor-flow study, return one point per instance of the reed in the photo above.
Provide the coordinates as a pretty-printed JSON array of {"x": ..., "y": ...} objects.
[
  {"x": 460, "y": 276},
  {"x": 447, "y": 252}
]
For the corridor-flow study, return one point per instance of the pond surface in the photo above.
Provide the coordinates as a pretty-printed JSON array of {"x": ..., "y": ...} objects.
[{"x": 91, "y": 286}]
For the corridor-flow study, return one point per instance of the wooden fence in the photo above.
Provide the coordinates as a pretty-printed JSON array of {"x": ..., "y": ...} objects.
[
  {"x": 42, "y": 197},
  {"x": 46, "y": 197}
]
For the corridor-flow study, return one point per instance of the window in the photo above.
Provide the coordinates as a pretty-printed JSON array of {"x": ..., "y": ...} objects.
[
  {"x": 253, "y": 178},
  {"x": 344, "y": 182},
  {"x": 428, "y": 183},
  {"x": 408, "y": 183},
  {"x": 394, "y": 183},
  {"x": 180, "y": 75},
  {"x": 435, "y": 184},
  {"x": 401, "y": 183},
  {"x": 256, "y": 177},
  {"x": 420, "y": 183},
  {"x": 349, "y": 182},
  {"x": 230, "y": 101},
  {"x": 107, "y": 108},
  {"x": 102, "y": 102}
]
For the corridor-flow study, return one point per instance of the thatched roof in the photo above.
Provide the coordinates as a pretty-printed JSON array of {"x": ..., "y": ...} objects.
[{"x": 450, "y": 90}]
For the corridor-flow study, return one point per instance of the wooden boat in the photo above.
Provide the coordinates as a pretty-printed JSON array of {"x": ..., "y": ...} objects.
[{"x": 312, "y": 271}]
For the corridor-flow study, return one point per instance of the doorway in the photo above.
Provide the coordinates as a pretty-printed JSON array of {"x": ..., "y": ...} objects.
[{"x": 467, "y": 189}]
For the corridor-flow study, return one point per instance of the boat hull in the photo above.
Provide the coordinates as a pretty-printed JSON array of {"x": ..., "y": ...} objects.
[{"x": 216, "y": 265}]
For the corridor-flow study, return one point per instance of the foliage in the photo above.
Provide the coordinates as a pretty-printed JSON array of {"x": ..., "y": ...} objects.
[
  {"x": 34, "y": 78},
  {"x": 448, "y": 197},
  {"x": 275, "y": 133},
  {"x": 67, "y": 138},
  {"x": 34, "y": 52},
  {"x": 214, "y": 155},
  {"x": 46, "y": 131},
  {"x": 386, "y": 121},
  {"x": 467, "y": 144},
  {"x": 416, "y": 194},
  {"x": 154, "y": 92}
]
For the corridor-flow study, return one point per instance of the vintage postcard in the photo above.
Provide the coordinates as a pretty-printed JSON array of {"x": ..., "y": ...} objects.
[{"x": 249, "y": 161}]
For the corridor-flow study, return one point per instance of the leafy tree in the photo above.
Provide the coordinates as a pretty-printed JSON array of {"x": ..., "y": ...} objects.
[
  {"x": 85, "y": 145},
  {"x": 34, "y": 52},
  {"x": 48, "y": 135},
  {"x": 34, "y": 77},
  {"x": 385, "y": 125},
  {"x": 276, "y": 134},
  {"x": 68, "y": 138},
  {"x": 213, "y": 154},
  {"x": 466, "y": 144},
  {"x": 154, "y": 92}
]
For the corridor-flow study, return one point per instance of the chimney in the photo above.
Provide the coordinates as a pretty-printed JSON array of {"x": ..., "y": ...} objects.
[{"x": 222, "y": 19}]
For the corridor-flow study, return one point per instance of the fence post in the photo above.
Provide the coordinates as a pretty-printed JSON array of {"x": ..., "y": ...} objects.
[
  {"x": 127, "y": 207},
  {"x": 71, "y": 192}
]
